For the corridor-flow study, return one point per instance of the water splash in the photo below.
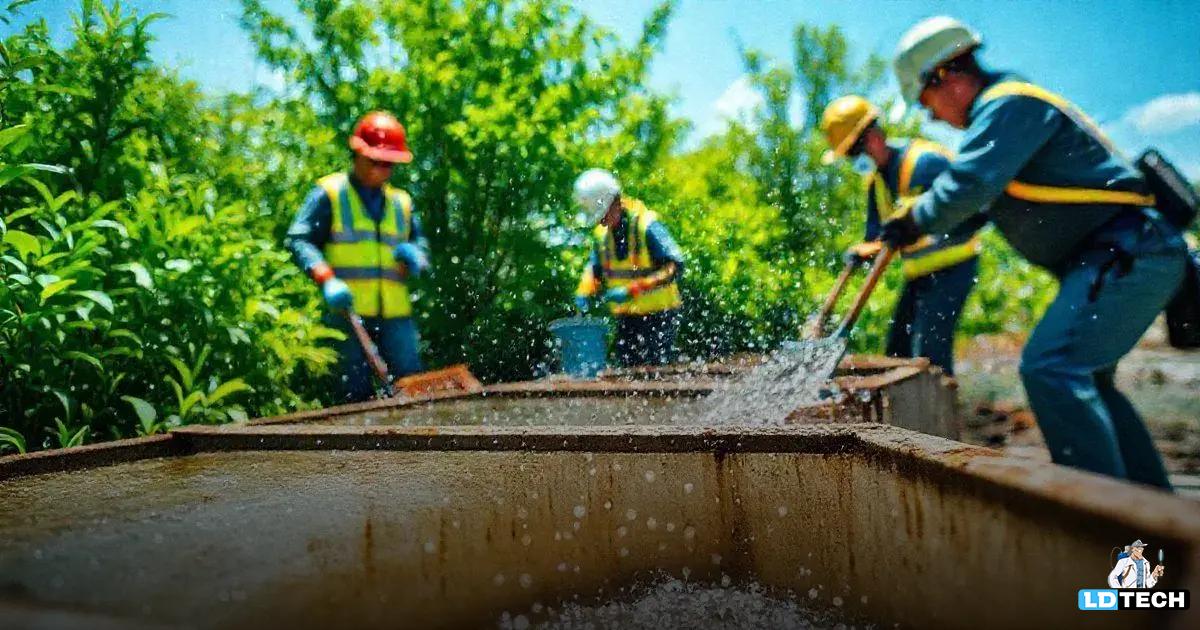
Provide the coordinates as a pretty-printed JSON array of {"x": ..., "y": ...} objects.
[
  {"x": 790, "y": 377},
  {"x": 673, "y": 604}
]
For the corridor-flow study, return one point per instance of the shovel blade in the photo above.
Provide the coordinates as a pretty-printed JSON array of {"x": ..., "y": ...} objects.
[{"x": 813, "y": 359}]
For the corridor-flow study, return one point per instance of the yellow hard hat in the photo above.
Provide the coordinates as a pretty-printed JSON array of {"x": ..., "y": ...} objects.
[{"x": 843, "y": 122}]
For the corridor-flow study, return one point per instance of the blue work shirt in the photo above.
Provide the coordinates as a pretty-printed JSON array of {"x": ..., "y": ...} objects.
[
  {"x": 929, "y": 165},
  {"x": 310, "y": 230},
  {"x": 1025, "y": 138},
  {"x": 661, "y": 247}
]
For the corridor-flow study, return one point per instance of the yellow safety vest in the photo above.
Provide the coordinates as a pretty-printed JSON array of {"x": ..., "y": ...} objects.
[
  {"x": 622, "y": 272},
  {"x": 1038, "y": 193},
  {"x": 360, "y": 250},
  {"x": 928, "y": 254}
]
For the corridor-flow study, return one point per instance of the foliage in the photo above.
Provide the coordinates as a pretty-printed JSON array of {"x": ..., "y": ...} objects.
[
  {"x": 143, "y": 281},
  {"x": 140, "y": 265}
]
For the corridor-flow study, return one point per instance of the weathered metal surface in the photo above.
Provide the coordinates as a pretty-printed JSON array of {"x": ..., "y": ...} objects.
[{"x": 326, "y": 525}]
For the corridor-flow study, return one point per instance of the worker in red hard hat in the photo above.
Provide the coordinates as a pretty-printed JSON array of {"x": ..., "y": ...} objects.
[{"x": 358, "y": 238}]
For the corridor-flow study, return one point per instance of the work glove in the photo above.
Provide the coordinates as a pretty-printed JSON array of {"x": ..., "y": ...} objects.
[
  {"x": 414, "y": 260},
  {"x": 582, "y": 303},
  {"x": 617, "y": 295},
  {"x": 862, "y": 252},
  {"x": 900, "y": 233},
  {"x": 337, "y": 294}
]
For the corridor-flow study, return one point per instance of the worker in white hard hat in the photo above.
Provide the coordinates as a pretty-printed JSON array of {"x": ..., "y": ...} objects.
[
  {"x": 637, "y": 263},
  {"x": 939, "y": 271},
  {"x": 1068, "y": 201}
]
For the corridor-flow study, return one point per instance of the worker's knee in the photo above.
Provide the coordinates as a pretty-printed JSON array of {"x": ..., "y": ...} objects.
[{"x": 1039, "y": 367}]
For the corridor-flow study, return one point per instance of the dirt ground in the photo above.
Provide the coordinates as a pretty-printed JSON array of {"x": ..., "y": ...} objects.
[{"x": 1163, "y": 383}]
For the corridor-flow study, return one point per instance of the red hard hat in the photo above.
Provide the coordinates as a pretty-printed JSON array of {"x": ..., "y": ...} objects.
[{"x": 379, "y": 136}]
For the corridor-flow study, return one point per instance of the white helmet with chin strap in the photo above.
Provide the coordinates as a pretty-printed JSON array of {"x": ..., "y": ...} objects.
[{"x": 595, "y": 191}]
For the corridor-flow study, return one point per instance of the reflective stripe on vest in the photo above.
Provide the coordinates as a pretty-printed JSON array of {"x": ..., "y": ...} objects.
[
  {"x": 1038, "y": 193},
  {"x": 360, "y": 250},
  {"x": 636, "y": 264},
  {"x": 928, "y": 254}
]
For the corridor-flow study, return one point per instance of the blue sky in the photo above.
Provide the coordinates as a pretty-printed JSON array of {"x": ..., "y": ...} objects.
[{"x": 1134, "y": 66}]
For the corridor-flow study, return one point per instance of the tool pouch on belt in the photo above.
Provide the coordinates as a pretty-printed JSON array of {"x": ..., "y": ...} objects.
[
  {"x": 1183, "y": 313},
  {"x": 1174, "y": 197}
]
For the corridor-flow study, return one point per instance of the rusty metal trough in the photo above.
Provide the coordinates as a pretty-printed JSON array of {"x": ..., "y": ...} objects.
[
  {"x": 311, "y": 521},
  {"x": 901, "y": 392}
]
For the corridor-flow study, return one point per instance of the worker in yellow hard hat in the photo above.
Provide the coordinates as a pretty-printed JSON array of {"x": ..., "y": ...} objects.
[{"x": 939, "y": 270}]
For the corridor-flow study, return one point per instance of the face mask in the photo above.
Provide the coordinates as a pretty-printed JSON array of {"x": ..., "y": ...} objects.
[{"x": 862, "y": 164}]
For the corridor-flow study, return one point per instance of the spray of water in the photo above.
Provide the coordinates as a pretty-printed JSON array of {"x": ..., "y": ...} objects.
[
  {"x": 674, "y": 605},
  {"x": 790, "y": 377}
]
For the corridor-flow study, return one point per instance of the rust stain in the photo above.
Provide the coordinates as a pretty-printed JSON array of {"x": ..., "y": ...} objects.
[{"x": 368, "y": 556}]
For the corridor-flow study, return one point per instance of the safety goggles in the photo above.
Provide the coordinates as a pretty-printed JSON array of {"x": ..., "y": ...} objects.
[{"x": 859, "y": 145}]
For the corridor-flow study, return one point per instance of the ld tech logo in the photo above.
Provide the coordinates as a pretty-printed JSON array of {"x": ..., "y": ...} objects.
[
  {"x": 1112, "y": 599},
  {"x": 1130, "y": 582}
]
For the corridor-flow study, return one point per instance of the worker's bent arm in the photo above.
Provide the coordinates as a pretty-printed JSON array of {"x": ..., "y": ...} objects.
[
  {"x": 665, "y": 252},
  {"x": 873, "y": 222},
  {"x": 1004, "y": 134},
  {"x": 589, "y": 282},
  {"x": 663, "y": 275},
  {"x": 309, "y": 231},
  {"x": 416, "y": 235}
]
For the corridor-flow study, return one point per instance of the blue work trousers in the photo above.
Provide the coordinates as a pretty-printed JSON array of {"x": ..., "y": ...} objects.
[
  {"x": 397, "y": 341},
  {"x": 647, "y": 339},
  {"x": 928, "y": 312},
  {"x": 1107, "y": 298}
]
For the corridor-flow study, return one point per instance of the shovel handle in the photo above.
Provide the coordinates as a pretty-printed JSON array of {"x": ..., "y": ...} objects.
[
  {"x": 373, "y": 358},
  {"x": 839, "y": 285},
  {"x": 878, "y": 266}
]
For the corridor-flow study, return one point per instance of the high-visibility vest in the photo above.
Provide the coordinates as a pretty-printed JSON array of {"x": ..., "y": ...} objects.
[
  {"x": 1041, "y": 193},
  {"x": 622, "y": 272},
  {"x": 360, "y": 250},
  {"x": 929, "y": 254}
]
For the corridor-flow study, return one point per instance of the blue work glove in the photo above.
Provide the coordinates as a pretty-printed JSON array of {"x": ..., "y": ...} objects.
[
  {"x": 412, "y": 257},
  {"x": 617, "y": 295},
  {"x": 337, "y": 294},
  {"x": 582, "y": 303}
]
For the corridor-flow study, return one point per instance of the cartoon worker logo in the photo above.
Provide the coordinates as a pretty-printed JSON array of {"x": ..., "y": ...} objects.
[{"x": 1133, "y": 569}]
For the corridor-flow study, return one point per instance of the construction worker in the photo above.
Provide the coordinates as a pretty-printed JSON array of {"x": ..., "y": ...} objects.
[
  {"x": 359, "y": 239},
  {"x": 1064, "y": 198},
  {"x": 939, "y": 270},
  {"x": 638, "y": 264}
]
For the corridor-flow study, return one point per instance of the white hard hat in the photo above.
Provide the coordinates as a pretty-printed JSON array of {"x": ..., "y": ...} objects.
[
  {"x": 595, "y": 191},
  {"x": 927, "y": 45}
]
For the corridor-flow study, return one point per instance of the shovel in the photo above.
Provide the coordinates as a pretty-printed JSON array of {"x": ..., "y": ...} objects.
[
  {"x": 816, "y": 324},
  {"x": 374, "y": 359},
  {"x": 819, "y": 357}
]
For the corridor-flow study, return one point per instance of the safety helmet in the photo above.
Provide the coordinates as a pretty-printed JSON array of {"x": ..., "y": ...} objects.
[
  {"x": 927, "y": 45},
  {"x": 843, "y": 122},
  {"x": 379, "y": 136},
  {"x": 595, "y": 191}
]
